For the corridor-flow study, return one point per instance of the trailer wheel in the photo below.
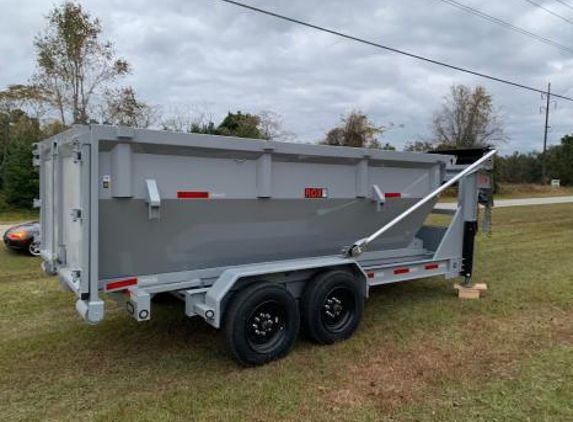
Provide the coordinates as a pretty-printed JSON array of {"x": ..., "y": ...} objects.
[
  {"x": 331, "y": 307},
  {"x": 261, "y": 323}
]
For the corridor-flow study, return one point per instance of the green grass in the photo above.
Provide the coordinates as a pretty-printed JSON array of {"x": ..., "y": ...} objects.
[
  {"x": 17, "y": 216},
  {"x": 517, "y": 191},
  {"x": 420, "y": 354},
  {"x": 539, "y": 391}
]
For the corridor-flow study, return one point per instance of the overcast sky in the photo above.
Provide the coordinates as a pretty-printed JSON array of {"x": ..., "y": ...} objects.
[{"x": 207, "y": 56}]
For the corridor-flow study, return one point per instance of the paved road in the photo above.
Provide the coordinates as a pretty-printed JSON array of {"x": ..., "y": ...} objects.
[
  {"x": 521, "y": 202},
  {"x": 3, "y": 229}
]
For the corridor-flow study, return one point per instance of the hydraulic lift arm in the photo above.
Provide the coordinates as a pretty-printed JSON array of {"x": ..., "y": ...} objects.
[{"x": 361, "y": 245}]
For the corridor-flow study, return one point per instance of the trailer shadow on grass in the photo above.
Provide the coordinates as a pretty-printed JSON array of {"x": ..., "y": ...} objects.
[{"x": 171, "y": 340}]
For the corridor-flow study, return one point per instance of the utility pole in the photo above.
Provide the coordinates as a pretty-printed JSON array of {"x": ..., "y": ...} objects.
[{"x": 543, "y": 157}]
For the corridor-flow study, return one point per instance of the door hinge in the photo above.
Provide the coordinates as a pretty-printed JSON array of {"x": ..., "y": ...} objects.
[
  {"x": 36, "y": 155},
  {"x": 76, "y": 214},
  {"x": 76, "y": 275},
  {"x": 55, "y": 146},
  {"x": 77, "y": 153}
]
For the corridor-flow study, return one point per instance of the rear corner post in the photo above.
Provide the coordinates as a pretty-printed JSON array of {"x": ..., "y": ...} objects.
[{"x": 95, "y": 306}]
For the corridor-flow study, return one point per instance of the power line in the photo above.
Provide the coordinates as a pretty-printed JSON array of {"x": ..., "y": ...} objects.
[
  {"x": 505, "y": 24},
  {"x": 564, "y": 4},
  {"x": 392, "y": 49},
  {"x": 551, "y": 12}
]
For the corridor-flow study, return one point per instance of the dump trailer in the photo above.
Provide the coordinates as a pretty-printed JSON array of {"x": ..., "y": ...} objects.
[{"x": 260, "y": 238}]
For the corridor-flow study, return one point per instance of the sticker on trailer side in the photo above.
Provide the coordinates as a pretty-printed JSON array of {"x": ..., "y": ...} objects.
[
  {"x": 484, "y": 180},
  {"x": 106, "y": 181},
  {"x": 315, "y": 193}
]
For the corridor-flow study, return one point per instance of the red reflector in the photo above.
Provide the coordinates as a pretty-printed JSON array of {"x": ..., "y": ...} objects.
[
  {"x": 431, "y": 266},
  {"x": 392, "y": 195},
  {"x": 401, "y": 270},
  {"x": 370, "y": 275},
  {"x": 120, "y": 284},
  {"x": 192, "y": 195}
]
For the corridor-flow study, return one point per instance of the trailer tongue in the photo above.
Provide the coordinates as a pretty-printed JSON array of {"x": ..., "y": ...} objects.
[{"x": 256, "y": 237}]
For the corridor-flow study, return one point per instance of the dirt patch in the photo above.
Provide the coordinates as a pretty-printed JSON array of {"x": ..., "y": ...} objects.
[{"x": 482, "y": 349}]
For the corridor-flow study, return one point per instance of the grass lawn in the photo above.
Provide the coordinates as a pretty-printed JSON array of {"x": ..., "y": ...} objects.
[
  {"x": 517, "y": 191},
  {"x": 420, "y": 354},
  {"x": 12, "y": 217}
]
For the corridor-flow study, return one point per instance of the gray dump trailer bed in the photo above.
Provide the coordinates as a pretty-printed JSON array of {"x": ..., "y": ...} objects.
[{"x": 248, "y": 233}]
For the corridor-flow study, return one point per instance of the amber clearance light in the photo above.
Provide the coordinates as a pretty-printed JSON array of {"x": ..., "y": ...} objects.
[{"x": 17, "y": 235}]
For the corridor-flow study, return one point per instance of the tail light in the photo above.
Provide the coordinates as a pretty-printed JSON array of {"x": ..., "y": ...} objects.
[{"x": 17, "y": 235}]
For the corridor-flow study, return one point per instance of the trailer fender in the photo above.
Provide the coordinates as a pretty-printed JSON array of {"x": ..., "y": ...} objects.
[{"x": 212, "y": 308}]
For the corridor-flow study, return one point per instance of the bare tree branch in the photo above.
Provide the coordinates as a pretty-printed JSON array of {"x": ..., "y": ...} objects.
[
  {"x": 467, "y": 119},
  {"x": 73, "y": 63}
]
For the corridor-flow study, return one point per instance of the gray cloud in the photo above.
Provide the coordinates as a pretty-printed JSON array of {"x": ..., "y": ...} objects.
[{"x": 208, "y": 55}]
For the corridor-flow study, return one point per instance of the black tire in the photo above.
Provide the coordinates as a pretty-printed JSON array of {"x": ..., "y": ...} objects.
[
  {"x": 261, "y": 323},
  {"x": 331, "y": 307}
]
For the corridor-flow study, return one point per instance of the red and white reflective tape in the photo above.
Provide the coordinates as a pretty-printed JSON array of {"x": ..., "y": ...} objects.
[
  {"x": 389, "y": 195},
  {"x": 193, "y": 195},
  {"x": 432, "y": 266},
  {"x": 403, "y": 270},
  {"x": 120, "y": 284}
]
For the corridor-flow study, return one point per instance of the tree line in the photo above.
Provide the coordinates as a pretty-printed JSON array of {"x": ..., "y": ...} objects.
[
  {"x": 527, "y": 167},
  {"x": 77, "y": 80}
]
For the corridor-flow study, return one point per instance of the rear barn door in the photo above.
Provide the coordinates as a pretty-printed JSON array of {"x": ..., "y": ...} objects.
[{"x": 65, "y": 212}]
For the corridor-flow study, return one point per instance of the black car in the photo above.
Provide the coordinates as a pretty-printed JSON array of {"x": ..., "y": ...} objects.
[{"x": 24, "y": 237}]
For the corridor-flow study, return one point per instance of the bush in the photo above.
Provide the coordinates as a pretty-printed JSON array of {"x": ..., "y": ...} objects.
[{"x": 21, "y": 184}]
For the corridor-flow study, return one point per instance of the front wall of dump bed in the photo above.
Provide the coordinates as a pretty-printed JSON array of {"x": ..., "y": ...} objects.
[
  {"x": 255, "y": 209},
  {"x": 193, "y": 234}
]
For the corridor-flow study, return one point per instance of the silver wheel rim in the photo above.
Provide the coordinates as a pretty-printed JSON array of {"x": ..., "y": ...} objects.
[{"x": 34, "y": 248}]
